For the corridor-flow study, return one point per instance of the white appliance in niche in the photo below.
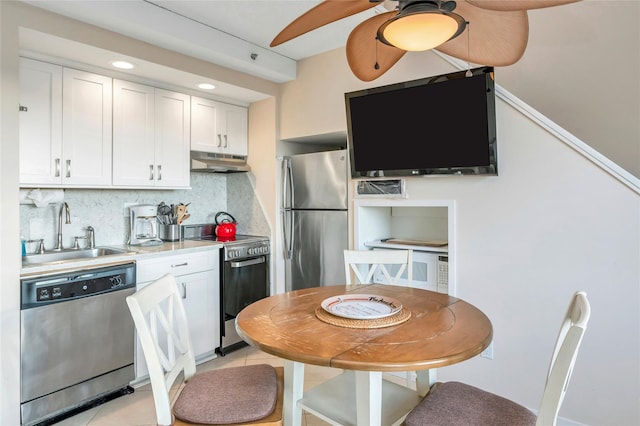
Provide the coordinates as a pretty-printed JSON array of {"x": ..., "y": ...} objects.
[{"x": 430, "y": 271}]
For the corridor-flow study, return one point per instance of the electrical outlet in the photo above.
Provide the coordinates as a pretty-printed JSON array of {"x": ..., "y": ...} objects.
[
  {"x": 488, "y": 352},
  {"x": 125, "y": 209}
]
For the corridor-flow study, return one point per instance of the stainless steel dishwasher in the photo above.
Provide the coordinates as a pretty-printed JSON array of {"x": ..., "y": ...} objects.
[{"x": 76, "y": 341}]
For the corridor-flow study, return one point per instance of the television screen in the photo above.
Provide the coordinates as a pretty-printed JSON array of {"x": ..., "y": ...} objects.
[{"x": 437, "y": 125}]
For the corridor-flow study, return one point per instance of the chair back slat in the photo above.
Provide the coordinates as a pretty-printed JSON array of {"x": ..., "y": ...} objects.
[
  {"x": 564, "y": 358},
  {"x": 363, "y": 265}
]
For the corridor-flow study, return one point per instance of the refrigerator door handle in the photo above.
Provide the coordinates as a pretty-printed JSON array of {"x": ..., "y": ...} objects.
[
  {"x": 287, "y": 233},
  {"x": 287, "y": 198},
  {"x": 287, "y": 184}
]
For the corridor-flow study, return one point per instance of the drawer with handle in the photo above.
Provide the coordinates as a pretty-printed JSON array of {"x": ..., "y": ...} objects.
[{"x": 151, "y": 269}]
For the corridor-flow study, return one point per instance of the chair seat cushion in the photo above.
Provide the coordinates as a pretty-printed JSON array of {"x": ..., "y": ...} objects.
[
  {"x": 228, "y": 395},
  {"x": 458, "y": 404}
]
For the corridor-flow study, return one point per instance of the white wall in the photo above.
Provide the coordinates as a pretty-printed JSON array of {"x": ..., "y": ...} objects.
[
  {"x": 550, "y": 224},
  {"x": 580, "y": 69}
]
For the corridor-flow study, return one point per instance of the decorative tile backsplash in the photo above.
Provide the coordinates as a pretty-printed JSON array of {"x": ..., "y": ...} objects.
[{"x": 105, "y": 210}]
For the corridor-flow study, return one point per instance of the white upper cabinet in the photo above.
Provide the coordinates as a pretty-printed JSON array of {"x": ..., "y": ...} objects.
[
  {"x": 86, "y": 128},
  {"x": 133, "y": 134},
  {"x": 218, "y": 127},
  {"x": 65, "y": 126},
  {"x": 151, "y": 134},
  {"x": 233, "y": 127},
  {"x": 173, "y": 136},
  {"x": 40, "y": 122},
  {"x": 204, "y": 125}
]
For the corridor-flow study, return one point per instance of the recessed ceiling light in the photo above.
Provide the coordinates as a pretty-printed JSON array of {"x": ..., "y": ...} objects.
[
  {"x": 206, "y": 86},
  {"x": 122, "y": 65}
]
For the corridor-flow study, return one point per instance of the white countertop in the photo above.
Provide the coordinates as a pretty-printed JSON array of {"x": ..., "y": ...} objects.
[
  {"x": 380, "y": 244},
  {"x": 134, "y": 253}
]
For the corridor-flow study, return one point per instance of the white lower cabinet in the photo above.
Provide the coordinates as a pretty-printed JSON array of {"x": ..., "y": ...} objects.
[{"x": 198, "y": 279}]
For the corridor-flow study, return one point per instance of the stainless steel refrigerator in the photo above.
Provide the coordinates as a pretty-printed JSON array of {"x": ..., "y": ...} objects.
[{"x": 315, "y": 218}]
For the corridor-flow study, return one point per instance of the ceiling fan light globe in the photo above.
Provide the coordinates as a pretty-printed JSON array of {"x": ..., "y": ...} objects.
[{"x": 418, "y": 32}]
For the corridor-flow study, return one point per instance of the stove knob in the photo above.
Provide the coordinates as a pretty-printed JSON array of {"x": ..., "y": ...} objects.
[{"x": 250, "y": 252}]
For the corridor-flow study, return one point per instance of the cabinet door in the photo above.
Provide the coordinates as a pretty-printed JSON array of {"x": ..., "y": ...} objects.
[
  {"x": 218, "y": 127},
  {"x": 133, "y": 134},
  {"x": 235, "y": 130},
  {"x": 86, "y": 128},
  {"x": 172, "y": 138},
  {"x": 40, "y": 123},
  {"x": 204, "y": 125},
  {"x": 197, "y": 295}
]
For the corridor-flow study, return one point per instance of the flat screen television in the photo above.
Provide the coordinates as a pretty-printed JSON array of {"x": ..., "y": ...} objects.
[{"x": 438, "y": 125}]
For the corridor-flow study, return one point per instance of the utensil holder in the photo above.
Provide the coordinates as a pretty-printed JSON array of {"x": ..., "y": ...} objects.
[{"x": 170, "y": 233}]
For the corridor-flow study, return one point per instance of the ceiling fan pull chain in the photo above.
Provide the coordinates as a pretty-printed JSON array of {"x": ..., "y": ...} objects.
[
  {"x": 468, "y": 73},
  {"x": 377, "y": 65}
]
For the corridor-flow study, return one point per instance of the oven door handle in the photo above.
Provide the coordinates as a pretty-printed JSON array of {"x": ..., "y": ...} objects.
[{"x": 249, "y": 262}]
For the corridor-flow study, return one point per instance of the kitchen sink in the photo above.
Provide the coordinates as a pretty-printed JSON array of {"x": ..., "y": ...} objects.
[{"x": 72, "y": 255}]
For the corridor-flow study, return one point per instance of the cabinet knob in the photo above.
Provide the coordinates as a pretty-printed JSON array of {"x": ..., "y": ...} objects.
[
  {"x": 150, "y": 171},
  {"x": 23, "y": 108}
]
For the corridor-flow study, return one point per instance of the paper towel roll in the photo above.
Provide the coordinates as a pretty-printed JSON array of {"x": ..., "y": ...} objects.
[{"x": 41, "y": 197}]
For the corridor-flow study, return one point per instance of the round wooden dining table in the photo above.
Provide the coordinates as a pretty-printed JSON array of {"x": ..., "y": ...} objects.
[{"x": 440, "y": 330}]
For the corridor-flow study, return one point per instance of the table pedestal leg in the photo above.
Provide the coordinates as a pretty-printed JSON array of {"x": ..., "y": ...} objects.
[
  {"x": 424, "y": 380},
  {"x": 293, "y": 389},
  {"x": 369, "y": 398}
]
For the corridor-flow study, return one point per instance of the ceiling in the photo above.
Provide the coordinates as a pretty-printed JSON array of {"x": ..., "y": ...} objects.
[
  {"x": 258, "y": 22},
  {"x": 235, "y": 34}
]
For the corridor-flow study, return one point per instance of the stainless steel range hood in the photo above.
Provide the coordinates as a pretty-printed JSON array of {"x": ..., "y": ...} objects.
[{"x": 218, "y": 163}]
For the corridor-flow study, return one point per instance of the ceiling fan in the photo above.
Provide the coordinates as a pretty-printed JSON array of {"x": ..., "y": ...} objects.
[{"x": 496, "y": 30}]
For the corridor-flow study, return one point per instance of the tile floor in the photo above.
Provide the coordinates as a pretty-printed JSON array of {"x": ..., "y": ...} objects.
[{"x": 137, "y": 409}]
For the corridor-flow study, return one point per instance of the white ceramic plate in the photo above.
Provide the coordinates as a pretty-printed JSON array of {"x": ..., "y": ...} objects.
[{"x": 361, "y": 306}]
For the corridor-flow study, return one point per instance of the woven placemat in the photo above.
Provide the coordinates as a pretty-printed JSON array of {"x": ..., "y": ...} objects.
[{"x": 395, "y": 319}]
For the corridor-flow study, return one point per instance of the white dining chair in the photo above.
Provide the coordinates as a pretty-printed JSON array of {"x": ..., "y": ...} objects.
[
  {"x": 363, "y": 264},
  {"x": 248, "y": 394},
  {"x": 454, "y": 403}
]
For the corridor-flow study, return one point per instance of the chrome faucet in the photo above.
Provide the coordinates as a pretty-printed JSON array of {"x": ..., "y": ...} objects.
[
  {"x": 64, "y": 208},
  {"x": 91, "y": 238}
]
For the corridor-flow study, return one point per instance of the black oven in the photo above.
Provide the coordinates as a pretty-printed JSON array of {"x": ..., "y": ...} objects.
[
  {"x": 244, "y": 280},
  {"x": 244, "y": 277}
]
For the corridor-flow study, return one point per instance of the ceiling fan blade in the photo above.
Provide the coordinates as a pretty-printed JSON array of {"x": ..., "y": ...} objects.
[
  {"x": 364, "y": 51},
  {"x": 324, "y": 13},
  {"x": 518, "y": 4},
  {"x": 496, "y": 38}
]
